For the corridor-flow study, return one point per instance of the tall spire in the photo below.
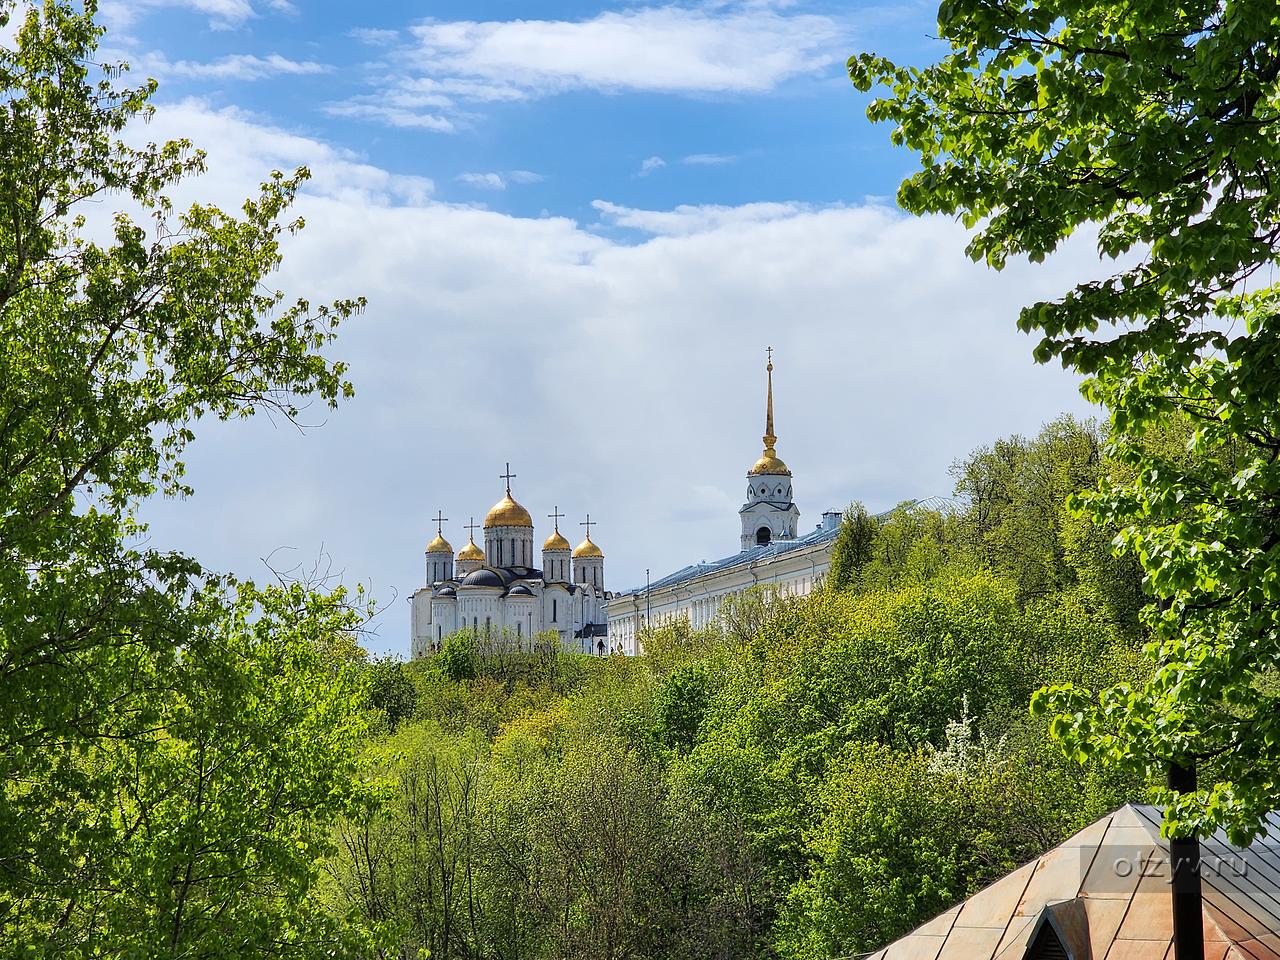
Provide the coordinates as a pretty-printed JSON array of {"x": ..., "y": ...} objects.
[
  {"x": 769, "y": 462},
  {"x": 769, "y": 439}
]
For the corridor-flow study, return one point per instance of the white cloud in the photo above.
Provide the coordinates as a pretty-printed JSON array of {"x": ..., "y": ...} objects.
[
  {"x": 222, "y": 14},
  {"x": 499, "y": 181},
  {"x": 485, "y": 181},
  {"x": 685, "y": 220},
  {"x": 708, "y": 159},
  {"x": 392, "y": 114},
  {"x": 623, "y": 377},
  {"x": 651, "y": 164},
  {"x": 375, "y": 37},
  {"x": 245, "y": 150},
  {"x": 232, "y": 67},
  {"x": 708, "y": 48}
]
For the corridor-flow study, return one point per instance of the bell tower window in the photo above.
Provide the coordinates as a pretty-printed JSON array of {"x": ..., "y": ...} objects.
[{"x": 763, "y": 536}]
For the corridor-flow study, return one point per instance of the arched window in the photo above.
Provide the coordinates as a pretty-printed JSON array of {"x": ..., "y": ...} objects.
[
  {"x": 553, "y": 609},
  {"x": 763, "y": 536}
]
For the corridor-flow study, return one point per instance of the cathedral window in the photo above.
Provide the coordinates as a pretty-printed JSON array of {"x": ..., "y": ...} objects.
[
  {"x": 763, "y": 536},
  {"x": 553, "y": 609}
]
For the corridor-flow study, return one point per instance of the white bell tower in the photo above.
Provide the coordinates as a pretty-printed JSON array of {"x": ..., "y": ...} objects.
[{"x": 770, "y": 512}]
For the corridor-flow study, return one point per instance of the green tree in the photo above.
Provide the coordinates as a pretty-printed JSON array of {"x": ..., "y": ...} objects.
[
  {"x": 144, "y": 802},
  {"x": 1153, "y": 125},
  {"x": 1017, "y": 522},
  {"x": 391, "y": 690},
  {"x": 853, "y": 547}
]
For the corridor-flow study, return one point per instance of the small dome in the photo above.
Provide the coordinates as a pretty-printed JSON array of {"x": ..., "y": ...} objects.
[
  {"x": 769, "y": 465},
  {"x": 519, "y": 590},
  {"x": 447, "y": 592},
  {"x": 587, "y": 549},
  {"x": 439, "y": 545},
  {"x": 556, "y": 542},
  {"x": 484, "y": 577},
  {"x": 471, "y": 552},
  {"x": 507, "y": 513}
]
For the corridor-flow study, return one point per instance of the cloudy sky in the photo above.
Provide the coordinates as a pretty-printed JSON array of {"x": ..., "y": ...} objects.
[{"x": 578, "y": 225}]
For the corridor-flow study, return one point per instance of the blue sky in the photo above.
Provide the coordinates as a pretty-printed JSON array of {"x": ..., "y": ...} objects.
[
  {"x": 757, "y": 107},
  {"x": 578, "y": 226}
]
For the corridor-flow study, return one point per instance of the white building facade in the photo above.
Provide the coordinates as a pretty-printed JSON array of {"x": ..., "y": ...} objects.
[
  {"x": 503, "y": 595},
  {"x": 772, "y": 553}
]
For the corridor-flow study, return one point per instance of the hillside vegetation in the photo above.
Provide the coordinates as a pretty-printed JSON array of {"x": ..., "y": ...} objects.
[{"x": 810, "y": 778}]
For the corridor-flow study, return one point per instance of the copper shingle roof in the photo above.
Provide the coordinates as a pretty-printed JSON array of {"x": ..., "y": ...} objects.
[{"x": 1106, "y": 894}]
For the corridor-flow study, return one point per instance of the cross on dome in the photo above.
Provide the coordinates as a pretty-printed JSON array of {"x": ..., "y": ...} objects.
[
  {"x": 440, "y": 519},
  {"x": 586, "y": 548},
  {"x": 472, "y": 526},
  {"x": 555, "y": 541},
  {"x": 506, "y": 512}
]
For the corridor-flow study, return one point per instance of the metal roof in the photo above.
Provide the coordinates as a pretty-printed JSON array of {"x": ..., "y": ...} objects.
[
  {"x": 1106, "y": 893},
  {"x": 754, "y": 555}
]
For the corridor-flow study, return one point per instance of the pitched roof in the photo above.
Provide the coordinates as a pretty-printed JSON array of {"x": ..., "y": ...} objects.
[{"x": 1105, "y": 892}]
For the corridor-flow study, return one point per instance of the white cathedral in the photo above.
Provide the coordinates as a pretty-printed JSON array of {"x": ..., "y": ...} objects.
[{"x": 497, "y": 592}]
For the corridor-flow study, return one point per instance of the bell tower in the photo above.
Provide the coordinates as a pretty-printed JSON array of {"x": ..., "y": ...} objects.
[{"x": 770, "y": 512}]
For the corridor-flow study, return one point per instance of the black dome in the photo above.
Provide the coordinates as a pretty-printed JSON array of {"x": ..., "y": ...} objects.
[
  {"x": 447, "y": 592},
  {"x": 484, "y": 577},
  {"x": 520, "y": 590}
]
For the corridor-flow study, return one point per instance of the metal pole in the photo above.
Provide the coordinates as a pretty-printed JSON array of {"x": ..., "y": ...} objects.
[
  {"x": 647, "y": 610},
  {"x": 1184, "y": 873}
]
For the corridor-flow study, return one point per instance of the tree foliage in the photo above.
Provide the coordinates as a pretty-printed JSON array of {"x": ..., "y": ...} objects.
[
  {"x": 1152, "y": 125},
  {"x": 173, "y": 744}
]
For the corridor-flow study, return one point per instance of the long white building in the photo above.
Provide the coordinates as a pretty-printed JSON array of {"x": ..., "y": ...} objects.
[{"x": 772, "y": 552}]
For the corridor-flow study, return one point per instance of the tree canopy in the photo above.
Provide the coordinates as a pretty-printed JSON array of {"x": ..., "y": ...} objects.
[
  {"x": 1150, "y": 128},
  {"x": 174, "y": 743}
]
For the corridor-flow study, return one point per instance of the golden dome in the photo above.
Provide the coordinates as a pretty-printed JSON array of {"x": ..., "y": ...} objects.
[
  {"x": 556, "y": 542},
  {"x": 507, "y": 513},
  {"x": 439, "y": 545},
  {"x": 587, "y": 549},
  {"x": 471, "y": 552},
  {"x": 769, "y": 464}
]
